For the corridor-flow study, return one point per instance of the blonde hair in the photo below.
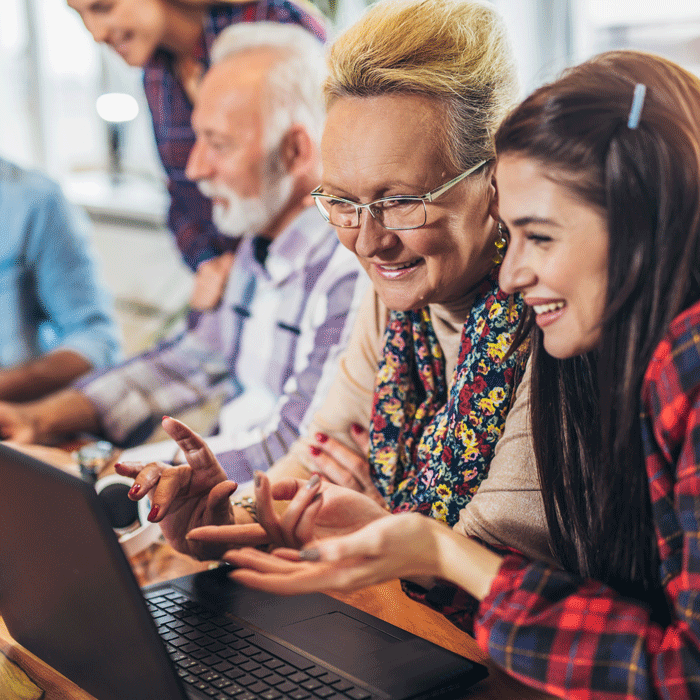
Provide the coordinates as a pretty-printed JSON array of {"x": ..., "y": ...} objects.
[{"x": 454, "y": 51}]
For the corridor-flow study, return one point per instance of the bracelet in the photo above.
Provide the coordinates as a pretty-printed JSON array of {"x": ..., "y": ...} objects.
[{"x": 248, "y": 504}]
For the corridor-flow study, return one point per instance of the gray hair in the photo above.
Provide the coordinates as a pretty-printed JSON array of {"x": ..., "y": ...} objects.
[{"x": 294, "y": 92}]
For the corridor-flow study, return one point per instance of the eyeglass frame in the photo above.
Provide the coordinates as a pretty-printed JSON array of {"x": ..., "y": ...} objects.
[{"x": 423, "y": 198}]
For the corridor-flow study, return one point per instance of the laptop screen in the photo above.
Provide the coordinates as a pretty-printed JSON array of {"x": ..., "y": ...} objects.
[{"x": 67, "y": 592}]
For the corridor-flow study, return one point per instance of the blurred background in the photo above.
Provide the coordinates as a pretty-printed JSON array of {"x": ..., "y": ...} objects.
[{"x": 55, "y": 117}]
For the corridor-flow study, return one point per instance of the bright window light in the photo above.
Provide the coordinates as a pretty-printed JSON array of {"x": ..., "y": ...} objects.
[{"x": 117, "y": 107}]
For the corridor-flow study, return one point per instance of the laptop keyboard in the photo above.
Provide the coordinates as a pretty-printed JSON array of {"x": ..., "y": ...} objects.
[{"x": 225, "y": 660}]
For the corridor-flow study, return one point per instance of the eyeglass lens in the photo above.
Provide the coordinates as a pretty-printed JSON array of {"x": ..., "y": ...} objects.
[{"x": 392, "y": 213}]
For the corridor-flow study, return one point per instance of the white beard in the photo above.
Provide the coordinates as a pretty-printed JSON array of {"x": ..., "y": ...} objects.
[{"x": 248, "y": 216}]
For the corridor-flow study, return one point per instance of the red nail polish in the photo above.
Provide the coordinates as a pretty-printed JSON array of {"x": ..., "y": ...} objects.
[
  {"x": 315, "y": 451},
  {"x": 356, "y": 428},
  {"x": 321, "y": 437},
  {"x": 133, "y": 491},
  {"x": 154, "y": 513}
]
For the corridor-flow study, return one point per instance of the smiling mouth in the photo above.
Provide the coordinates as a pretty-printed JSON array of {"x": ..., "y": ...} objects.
[
  {"x": 120, "y": 44},
  {"x": 397, "y": 271},
  {"x": 547, "y": 308},
  {"x": 398, "y": 266}
]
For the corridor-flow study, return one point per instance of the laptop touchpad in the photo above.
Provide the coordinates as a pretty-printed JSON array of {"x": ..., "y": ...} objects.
[{"x": 331, "y": 635}]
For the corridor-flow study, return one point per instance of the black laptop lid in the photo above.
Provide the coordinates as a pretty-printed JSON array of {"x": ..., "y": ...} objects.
[{"x": 67, "y": 592}]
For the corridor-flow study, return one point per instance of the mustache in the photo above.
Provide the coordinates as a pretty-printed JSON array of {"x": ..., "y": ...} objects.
[{"x": 208, "y": 189}]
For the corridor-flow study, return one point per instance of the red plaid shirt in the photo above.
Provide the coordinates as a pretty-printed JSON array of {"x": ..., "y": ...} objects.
[
  {"x": 578, "y": 638},
  {"x": 189, "y": 217}
]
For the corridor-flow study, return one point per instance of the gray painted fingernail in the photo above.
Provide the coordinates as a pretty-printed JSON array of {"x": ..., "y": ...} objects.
[
  {"x": 309, "y": 555},
  {"x": 313, "y": 481},
  {"x": 258, "y": 479}
]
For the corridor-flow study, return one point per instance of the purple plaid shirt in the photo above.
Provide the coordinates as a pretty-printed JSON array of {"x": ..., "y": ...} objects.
[
  {"x": 266, "y": 351},
  {"x": 189, "y": 217}
]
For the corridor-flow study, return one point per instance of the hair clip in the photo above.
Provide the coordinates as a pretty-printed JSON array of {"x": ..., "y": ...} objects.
[{"x": 640, "y": 90}]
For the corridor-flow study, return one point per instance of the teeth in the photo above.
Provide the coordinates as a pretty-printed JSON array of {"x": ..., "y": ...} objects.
[
  {"x": 544, "y": 308},
  {"x": 403, "y": 266}
]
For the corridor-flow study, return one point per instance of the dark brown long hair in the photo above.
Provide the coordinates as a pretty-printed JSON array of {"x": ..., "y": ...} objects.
[{"x": 586, "y": 409}]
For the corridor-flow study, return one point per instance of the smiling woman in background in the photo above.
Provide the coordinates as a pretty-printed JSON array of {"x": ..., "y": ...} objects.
[
  {"x": 171, "y": 41},
  {"x": 598, "y": 185}
]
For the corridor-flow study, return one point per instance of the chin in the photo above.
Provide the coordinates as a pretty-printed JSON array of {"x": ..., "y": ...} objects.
[
  {"x": 565, "y": 351},
  {"x": 398, "y": 296},
  {"x": 398, "y": 302}
]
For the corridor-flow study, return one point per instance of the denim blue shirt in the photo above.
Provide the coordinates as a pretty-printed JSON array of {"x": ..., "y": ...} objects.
[{"x": 50, "y": 296}]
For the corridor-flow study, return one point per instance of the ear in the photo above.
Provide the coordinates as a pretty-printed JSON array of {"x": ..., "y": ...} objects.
[
  {"x": 297, "y": 150},
  {"x": 493, "y": 193}
]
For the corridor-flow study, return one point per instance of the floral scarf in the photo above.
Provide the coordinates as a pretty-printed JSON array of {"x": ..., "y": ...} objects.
[{"x": 429, "y": 451}]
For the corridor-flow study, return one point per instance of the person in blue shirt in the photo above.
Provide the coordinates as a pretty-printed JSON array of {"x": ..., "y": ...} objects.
[{"x": 55, "y": 315}]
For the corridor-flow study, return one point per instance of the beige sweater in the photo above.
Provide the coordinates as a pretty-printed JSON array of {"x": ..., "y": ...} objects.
[{"x": 507, "y": 509}]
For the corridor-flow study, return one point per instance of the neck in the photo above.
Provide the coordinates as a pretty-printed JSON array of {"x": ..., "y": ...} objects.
[
  {"x": 455, "y": 312},
  {"x": 299, "y": 200},
  {"x": 282, "y": 220}
]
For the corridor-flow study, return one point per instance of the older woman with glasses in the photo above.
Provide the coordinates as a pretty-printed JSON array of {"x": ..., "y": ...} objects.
[{"x": 415, "y": 418}]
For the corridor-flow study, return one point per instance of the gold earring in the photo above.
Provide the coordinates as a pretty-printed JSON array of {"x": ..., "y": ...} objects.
[{"x": 500, "y": 244}]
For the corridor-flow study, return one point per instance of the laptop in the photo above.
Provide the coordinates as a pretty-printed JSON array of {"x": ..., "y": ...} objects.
[{"x": 68, "y": 594}]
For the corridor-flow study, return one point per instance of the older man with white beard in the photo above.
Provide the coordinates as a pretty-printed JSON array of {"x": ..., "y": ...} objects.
[{"x": 271, "y": 344}]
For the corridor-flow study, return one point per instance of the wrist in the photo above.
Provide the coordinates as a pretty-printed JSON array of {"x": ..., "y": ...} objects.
[
  {"x": 467, "y": 564},
  {"x": 243, "y": 510}
]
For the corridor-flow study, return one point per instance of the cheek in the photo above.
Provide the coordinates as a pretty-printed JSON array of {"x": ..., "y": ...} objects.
[
  {"x": 428, "y": 242},
  {"x": 148, "y": 23},
  {"x": 445, "y": 255},
  {"x": 597, "y": 289},
  {"x": 347, "y": 237},
  {"x": 241, "y": 174}
]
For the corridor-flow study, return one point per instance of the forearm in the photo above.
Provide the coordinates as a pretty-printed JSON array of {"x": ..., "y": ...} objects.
[
  {"x": 466, "y": 563},
  {"x": 42, "y": 376},
  {"x": 62, "y": 414}
]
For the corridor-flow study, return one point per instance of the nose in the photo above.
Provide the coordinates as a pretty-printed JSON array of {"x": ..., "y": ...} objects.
[
  {"x": 372, "y": 237},
  {"x": 199, "y": 166},
  {"x": 516, "y": 275}
]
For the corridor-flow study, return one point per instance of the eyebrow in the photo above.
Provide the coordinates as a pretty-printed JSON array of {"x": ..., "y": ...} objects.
[{"x": 527, "y": 220}]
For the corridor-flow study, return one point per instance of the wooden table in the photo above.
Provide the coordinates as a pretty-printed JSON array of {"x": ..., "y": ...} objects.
[{"x": 385, "y": 601}]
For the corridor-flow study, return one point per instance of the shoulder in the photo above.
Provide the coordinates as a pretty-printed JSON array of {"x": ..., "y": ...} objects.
[
  {"x": 311, "y": 246},
  {"x": 671, "y": 389},
  {"x": 300, "y": 12},
  {"x": 27, "y": 193},
  {"x": 34, "y": 183},
  {"x": 678, "y": 354}
]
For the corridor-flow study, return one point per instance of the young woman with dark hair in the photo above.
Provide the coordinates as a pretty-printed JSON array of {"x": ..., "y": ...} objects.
[{"x": 598, "y": 187}]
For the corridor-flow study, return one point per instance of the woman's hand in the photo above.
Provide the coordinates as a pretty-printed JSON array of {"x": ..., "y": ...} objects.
[
  {"x": 341, "y": 465},
  {"x": 397, "y": 546},
  {"x": 315, "y": 510},
  {"x": 190, "y": 495}
]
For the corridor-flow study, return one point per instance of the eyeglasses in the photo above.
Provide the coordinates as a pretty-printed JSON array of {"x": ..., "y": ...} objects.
[{"x": 394, "y": 213}]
